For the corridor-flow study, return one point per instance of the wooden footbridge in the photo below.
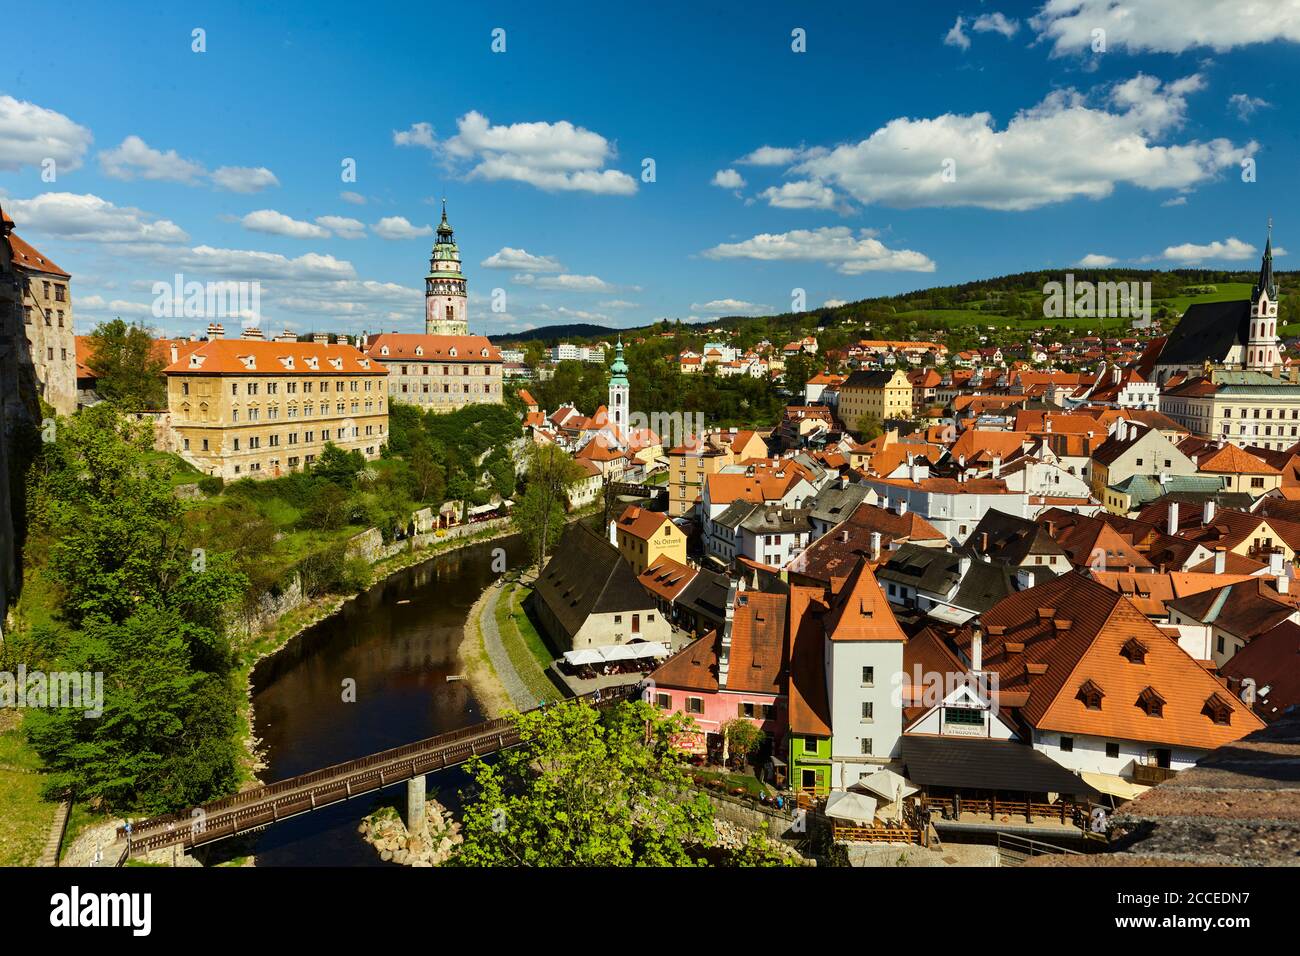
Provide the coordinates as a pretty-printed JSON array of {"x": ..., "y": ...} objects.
[{"x": 261, "y": 806}]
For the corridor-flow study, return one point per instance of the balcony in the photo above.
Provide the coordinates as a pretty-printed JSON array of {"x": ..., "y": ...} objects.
[{"x": 1150, "y": 775}]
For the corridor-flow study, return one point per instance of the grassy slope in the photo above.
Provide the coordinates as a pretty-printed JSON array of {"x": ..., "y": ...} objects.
[
  {"x": 26, "y": 818},
  {"x": 526, "y": 648}
]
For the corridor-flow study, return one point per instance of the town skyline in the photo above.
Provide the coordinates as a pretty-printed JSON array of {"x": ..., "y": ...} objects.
[{"x": 758, "y": 189}]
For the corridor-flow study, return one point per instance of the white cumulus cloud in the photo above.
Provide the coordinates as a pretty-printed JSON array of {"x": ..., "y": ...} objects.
[
  {"x": 521, "y": 260},
  {"x": 399, "y": 227},
  {"x": 1022, "y": 166},
  {"x": 956, "y": 36},
  {"x": 555, "y": 157},
  {"x": 836, "y": 246},
  {"x": 244, "y": 179},
  {"x": 728, "y": 179},
  {"x": 275, "y": 223},
  {"x": 1230, "y": 249},
  {"x": 133, "y": 158},
  {"x": 731, "y": 307},
  {"x": 343, "y": 226},
  {"x": 1165, "y": 26},
  {"x": 800, "y": 194},
  {"x": 31, "y": 134},
  {"x": 420, "y": 134},
  {"x": 89, "y": 218},
  {"x": 1094, "y": 260}
]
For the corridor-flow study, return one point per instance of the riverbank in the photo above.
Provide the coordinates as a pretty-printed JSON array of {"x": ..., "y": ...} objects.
[{"x": 270, "y": 641}]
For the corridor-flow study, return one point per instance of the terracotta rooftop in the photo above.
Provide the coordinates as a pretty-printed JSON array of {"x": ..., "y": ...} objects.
[
  {"x": 641, "y": 522},
  {"x": 260, "y": 357},
  {"x": 1051, "y": 641}
]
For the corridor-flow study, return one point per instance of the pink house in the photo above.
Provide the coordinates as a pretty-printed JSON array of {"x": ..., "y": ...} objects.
[{"x": 721, "y": 677}]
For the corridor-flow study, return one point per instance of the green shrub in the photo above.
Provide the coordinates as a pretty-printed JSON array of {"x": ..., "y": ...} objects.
[{"x": 211, "y": 485}]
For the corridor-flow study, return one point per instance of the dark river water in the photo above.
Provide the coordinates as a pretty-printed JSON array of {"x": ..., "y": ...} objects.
[{"x": 399, "y": 655}]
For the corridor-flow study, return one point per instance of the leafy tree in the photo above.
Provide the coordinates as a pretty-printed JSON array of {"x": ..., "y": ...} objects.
[
  {"x": 144, "y": 609},
  {"x": 869, "y": 427},
  {"x": 339, "y": 467},
  {"x": 539, "y": 516},
  {"x": 760, "y": 850},
  {"x": 743, "y": 739},
  {"x": 328, "y": 509},
  {"x": 128, "y": 373},
  {"x": 428, "y": 477},
  {"x": 586, "y": 789}
]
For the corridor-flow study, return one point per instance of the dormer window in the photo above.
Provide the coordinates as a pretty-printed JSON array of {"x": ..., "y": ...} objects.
[
  {"x": 337, "y": 363},
  {"x": 1134, "y": 651},
  {"x": 313, "y": 363},
  {"x": 452, "y": 351},
  {"x": 1090, "y": 694},
  {"x": 249, "y": 361},
  {"x": 384, "y": 350},
  {"x": 287, "y": 361},
  {"x": 364, "y": 363},
  {"x": 419, "y": 350},
  {"x": 1151, "y": 702},
  {"x": 484, "y": 353},
  {"x": 1218, "y": 710}
]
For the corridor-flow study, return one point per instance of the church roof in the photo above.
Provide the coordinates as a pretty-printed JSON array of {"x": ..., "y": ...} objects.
[{"x": 1207, "y": 331}]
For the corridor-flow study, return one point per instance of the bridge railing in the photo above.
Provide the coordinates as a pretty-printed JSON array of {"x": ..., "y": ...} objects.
[{"x": 352, "y": 776}]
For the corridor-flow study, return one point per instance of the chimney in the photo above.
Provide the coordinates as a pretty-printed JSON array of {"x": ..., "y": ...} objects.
[
  {"x": 1207, "y": 515},
  {"x": 175, "y": 352},
  {"x": 984, "y": 542},
  {"x": 977, "y": 648},
  {"x": 997, "y": 466},
  {"x": 902, "y": 506},
  {"x": 1275, "y": 564},
  {"x": 613, "y": 533},
  {"x": 963, "y": 566},
  {"x": 1173, "y": 519},
  {"x": 1047, "y": 424},
  {"x": 216, "y": 330},
  {"x": 320, "y": 338},
  {"x": 875, "y": 545},
  {"x": 1220, "y": 559}
]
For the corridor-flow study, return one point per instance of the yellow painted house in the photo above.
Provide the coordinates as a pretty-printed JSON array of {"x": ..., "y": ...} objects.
[
  {"x": 643, "y": 537},
  {"x": 885, "y": 396}
]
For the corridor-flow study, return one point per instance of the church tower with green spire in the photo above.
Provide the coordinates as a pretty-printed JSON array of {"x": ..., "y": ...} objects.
[
  {"x": 444, "y": 286},
  {"x": 619, "y": 392},
  {"x": 1262, "y": 352}
]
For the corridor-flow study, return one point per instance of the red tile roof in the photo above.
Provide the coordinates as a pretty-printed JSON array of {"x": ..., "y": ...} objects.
[
  {"x": 227, "y": 356},
  {"x": 1049, "y": 641}
]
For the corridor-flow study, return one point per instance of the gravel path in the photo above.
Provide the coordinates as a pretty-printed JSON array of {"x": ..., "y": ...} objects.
[{"x": 519, "y": 693}]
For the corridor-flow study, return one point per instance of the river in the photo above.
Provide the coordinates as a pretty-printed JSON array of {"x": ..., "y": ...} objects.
[{"x": 399, "y": 655}]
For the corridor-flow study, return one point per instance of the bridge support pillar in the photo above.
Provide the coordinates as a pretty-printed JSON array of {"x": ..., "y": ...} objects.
[{"x": 415, "y": 803}]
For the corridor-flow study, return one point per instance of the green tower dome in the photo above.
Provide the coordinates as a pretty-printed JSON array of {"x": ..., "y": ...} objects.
[{"x": 618, "y": 371}]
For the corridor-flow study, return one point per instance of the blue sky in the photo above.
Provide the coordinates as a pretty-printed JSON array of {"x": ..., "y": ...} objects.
[{"x": 929, "y": 145}]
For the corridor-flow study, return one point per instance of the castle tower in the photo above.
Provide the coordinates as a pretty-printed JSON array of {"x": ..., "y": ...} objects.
[
  {"x": 444, "y": 287},
  {"x": 1262, "y": 352},
  {"x": 618, "y": 393}
]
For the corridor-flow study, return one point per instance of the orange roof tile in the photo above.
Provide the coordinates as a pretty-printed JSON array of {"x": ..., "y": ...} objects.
[
  {"x": 1051, "y": 640},
  {"x": 233, "y": 357}
]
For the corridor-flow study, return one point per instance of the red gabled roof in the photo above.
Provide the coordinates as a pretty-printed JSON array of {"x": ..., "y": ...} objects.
[
  {"x": 29, "y": 259},
  {"x": 1047, "y": 642}
]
